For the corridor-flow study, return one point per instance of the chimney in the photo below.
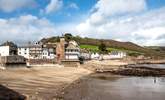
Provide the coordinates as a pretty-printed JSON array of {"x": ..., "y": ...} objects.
[
  {"x": 62, "y": 43},
  {"x": 60, "y": 50}
]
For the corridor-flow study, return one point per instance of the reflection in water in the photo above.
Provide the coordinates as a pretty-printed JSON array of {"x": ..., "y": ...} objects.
[
  {"x": 111, "y": 87},
  {"x": 161, "y": 66},
  {"x": 154, "y": 79}
]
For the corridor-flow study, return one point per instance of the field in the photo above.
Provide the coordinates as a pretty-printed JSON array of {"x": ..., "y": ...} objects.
[{"x": 94, "y": 48}]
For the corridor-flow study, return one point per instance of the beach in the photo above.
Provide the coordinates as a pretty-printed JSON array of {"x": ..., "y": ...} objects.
[
  {"x": 79, "y": 83},
  {"x": 39, "y": 83}
]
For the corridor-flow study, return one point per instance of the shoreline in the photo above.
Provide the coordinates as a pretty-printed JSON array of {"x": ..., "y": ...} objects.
[
  {"x": 62, "y": 78},
  {"x": 102, "y": 86},
  {"x": 118, "y": 72},
  {"x": 125, "y": 68}
]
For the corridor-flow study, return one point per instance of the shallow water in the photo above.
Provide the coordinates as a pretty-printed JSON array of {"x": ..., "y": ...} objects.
[
  {"x": 111, "y": 87},
  {"x": 158, "y": 66}
]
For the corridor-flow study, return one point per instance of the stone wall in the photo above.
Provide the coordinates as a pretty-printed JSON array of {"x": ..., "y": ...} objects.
[
  {"x": 73, "y": 63},
  {"x": 12, "y": 60},
  {"x": 41, "y": 61}
]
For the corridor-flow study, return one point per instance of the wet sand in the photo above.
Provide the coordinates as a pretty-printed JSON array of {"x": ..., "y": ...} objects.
[
  {"x": 39, "y": 83},
  {"x": 113, "y": 87}
]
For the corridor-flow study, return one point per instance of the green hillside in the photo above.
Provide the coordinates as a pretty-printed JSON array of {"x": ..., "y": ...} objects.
[
  {"x": 96, "y": 49},
  {"x": 92, "y": 45}
]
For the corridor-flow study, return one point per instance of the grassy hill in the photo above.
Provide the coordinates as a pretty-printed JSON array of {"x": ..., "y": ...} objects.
[
  {"x": 94, "y": 48},
  {"x": 92, "y": 44},
  {"x": 157, "y": 48}
]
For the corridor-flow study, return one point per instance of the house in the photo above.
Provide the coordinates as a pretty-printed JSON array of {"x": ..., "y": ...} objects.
[
  {"x": 95, "y": 56},
  {"x": 30, "y": 51},
  {"x": 85, "y": 54},
  {"x": 117, "y": 54},
  {"x": 38, "y": 51},
  {"x": 72, "y": 51},
  {"x": 67, "y": 51},
  {"x": 8, "y": 49},
  {"x": 8, "y": 55},
  {"x": 49, "y": 51},
  {"x": 35, "y": 51},
  {"x": 24, "y": 51}
]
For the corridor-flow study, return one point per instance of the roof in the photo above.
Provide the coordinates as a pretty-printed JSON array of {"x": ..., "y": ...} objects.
[
  {"x": 84, "y": 51},
  {"x": 73, "y": 42},
  {"x": 72, "y": 46},
  {"x": 9, "y": 43},
  {"x": 30, "y": 46},
  {"x": 50, "y": 45}
]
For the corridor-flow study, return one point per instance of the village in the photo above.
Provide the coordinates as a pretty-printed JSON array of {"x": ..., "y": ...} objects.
[
  {"x": 30, "y": 71},
  {"x": 62, "y": 52}
]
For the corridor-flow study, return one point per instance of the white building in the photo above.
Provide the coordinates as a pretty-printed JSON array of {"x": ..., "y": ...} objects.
[
  {"x": 85, "y": 55},
  {"x": 24, "y": 51},
  {"x": 95, "y": 56},
  {"x": 4, "y": 50},
  {"x": 48, "y": 52},
  {"x": 8, "y": 49},
  {"x": 37, "y": 51},
  {"x": 30, "y": 51},
  {"x": 117, "y": 54},
  {"x": 72, "y": 51}
]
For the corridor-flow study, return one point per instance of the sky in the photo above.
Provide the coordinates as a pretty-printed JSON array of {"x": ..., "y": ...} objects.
[{"x": 138, "y": 21}]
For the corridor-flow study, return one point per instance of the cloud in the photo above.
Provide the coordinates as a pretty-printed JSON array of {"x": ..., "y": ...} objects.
[
  {"x": 107, "y": 8},
  {"x": 26, "y": 28},
  {"x": 73, "y": 6},
  {"x": 12, "y": 5},
  {"x": 142, "y": 28},
  {"x": 110, "y": 7},
  {"x": 54, "y": 6}
]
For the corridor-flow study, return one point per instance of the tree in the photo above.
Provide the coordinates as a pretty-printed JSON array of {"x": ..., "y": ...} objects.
[
  {"x": 68, "y": 37},
  {"x": 58, "y": 39},
  {"x": 102, "y": 47}
]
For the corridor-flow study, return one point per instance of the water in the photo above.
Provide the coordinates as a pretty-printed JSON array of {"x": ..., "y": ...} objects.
[
  {"x": 112, "y": 87},
  {"x": 158, "y": 66}
]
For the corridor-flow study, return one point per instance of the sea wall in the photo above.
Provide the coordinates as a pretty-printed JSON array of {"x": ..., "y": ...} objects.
[
  {"x": 12, "y": 61},
  {"x": 41, "y": 61},
  {"x": 70, "y": 63}
]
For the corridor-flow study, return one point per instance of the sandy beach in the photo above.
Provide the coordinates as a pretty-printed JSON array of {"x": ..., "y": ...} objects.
[
  {"x": 68, "y": 83},
  {"x": 46, "y": 83},
  {"x": 40, "y": 83}
]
